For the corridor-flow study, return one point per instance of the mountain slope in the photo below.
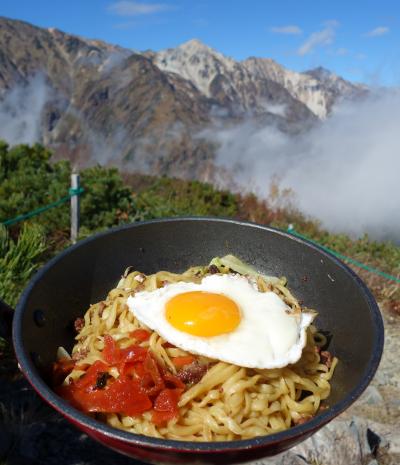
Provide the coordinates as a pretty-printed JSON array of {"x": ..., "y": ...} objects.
[
  {"x": 103, "y": 103},
  {"x": 93, "y": 102},
  {"x": 255, "y": 84},
  {"x": 229, "y": 83}
]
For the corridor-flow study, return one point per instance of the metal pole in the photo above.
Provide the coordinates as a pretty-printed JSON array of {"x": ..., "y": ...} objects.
[{"x": 74, "y": 208}]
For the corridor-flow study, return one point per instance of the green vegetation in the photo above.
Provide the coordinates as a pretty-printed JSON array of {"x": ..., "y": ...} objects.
[
  {"x": 172, "y": 197},
  {"x": 28, "y": 180},
  {"x": 18, "y": 260}
]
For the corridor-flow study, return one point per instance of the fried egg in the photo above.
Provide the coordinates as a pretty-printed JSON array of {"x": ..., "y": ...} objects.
[{"x": 226, "y": 318}]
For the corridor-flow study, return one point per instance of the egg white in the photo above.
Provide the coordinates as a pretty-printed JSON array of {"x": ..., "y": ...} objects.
[{"x": 269, "y": 334}]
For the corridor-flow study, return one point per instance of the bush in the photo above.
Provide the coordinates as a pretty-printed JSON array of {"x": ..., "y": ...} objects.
[
  {"x": 174, "y": 197},
  {"x": 28, "y": 180},
  {"x": 106, "y": 201},
  {"x": 18, "y": 260}
]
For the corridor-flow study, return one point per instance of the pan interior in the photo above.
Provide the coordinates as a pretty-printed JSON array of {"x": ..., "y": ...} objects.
[{"x": 85, "y": 273}]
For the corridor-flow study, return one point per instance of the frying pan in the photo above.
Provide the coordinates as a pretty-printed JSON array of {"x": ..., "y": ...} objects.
[{"x": 83, "y": 274}]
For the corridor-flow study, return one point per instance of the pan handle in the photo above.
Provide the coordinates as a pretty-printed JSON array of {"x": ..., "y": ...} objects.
[{"x": 6, "y": 316}]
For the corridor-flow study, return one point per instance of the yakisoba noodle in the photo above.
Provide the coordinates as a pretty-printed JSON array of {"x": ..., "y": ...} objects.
[{"x": 229, "y": 402}]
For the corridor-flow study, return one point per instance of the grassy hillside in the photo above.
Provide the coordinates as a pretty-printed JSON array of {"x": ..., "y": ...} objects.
[{"x": 28, "y": 180}]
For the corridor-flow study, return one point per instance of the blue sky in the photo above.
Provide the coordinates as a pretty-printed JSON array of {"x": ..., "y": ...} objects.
[{"x": 359, "y": 40}]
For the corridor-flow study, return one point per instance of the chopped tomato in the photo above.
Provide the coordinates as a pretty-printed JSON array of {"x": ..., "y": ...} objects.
[
  {"x": 166, "y": 406},
  {"x": 167, "y": 400},
  {"x": 182, "y": 361},
  {"x": 123, "y": 395},
  {"x": 133, "y": 353},
  {"x": 139, "y": 370},
  {"x": 113, "y": 355},
  {"x": 152, "y": 381},
  {"x": 140, "y": 334},
  {"x": 127, "y": 369},
  {"x": 90, "y": 377},
  {"x": 142, "y": 384},
  {"x": 111, "y": 351}
]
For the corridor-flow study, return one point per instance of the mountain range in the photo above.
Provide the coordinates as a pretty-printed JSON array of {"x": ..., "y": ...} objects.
[{"x": 93, "y": 102}]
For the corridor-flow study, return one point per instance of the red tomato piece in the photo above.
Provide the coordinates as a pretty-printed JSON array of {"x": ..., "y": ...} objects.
[
  {"x": 126, "y": 396},
  {"x": 152, "y": 381},
  {"x": 130, "y": 355},
  {"x": 133, "y": 353},
  {"x": 182, "y": 361},
  {"x": 140, "y": 334},
  {"x": 141, "y": 379},
  {"x": 90, "y": 377},
  {"x": 139, "y": 370},
  {"x": 167, "y": 400},
  {"x": 123, "y": 395},
  {"x": 166, "y": 406},
  {"x": 127, "y": 369},
  {"x": 111, "y": 351}
]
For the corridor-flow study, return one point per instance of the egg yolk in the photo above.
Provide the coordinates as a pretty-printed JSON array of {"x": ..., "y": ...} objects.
[{"x": 202, "y": 313}]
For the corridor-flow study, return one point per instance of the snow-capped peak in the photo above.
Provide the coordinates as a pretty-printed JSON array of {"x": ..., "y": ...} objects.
[
  {"x": 195, "y": 46},
  {"x": 212, "y": 73},
  {"x": 195, "y": 61}
]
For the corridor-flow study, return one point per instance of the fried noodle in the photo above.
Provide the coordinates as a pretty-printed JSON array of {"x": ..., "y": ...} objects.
[{"x": 230, "y": 402}]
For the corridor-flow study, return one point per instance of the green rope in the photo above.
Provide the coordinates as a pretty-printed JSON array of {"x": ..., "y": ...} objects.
[
  {"x": 38, "y": 211},
  {"x": 388, "y": 276}
]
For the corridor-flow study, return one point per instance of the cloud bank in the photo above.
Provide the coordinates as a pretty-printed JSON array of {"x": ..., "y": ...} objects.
[
  {"x": 344, "y": 172},
  {"x": 21, "y": 112}
]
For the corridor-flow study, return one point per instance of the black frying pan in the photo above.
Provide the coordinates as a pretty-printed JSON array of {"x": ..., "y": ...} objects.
[{"x": 84, "y": 273}]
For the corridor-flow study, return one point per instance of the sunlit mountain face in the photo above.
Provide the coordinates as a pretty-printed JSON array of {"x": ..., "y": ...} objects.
[{"x": 93, "y": 102}]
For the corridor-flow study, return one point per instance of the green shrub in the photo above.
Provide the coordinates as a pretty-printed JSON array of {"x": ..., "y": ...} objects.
[
  {"x": 175, "y": 197},
  {"x": 18, "y": 260},
  {"x": 29, "y": 180},
  {"x": 106, "y": 201}
]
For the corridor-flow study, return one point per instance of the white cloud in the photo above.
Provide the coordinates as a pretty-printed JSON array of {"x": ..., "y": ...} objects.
[
  {"x": 320, "y": 38},
  {"x": 21, "y": 112},
  {"x": 378, "y": 31},
  {"x": 133, "y": 8},
  {"x": 293, "y": 30},
  {"x": 343, "y": 172}
]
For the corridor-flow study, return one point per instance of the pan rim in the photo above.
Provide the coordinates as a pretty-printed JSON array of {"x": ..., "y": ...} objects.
[{"x": 291, "y": 434}]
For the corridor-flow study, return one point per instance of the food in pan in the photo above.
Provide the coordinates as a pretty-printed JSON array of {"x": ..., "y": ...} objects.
[{"x": 216, "y": 353}]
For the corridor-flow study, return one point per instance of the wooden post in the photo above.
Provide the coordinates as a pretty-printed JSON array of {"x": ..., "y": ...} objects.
[{"x": 74, "y": 208}]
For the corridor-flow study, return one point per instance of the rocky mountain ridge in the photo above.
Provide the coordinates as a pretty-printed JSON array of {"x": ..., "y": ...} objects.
[
  {"x": 93, "y": 102},
  {"x": 317, "y": 89}
]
